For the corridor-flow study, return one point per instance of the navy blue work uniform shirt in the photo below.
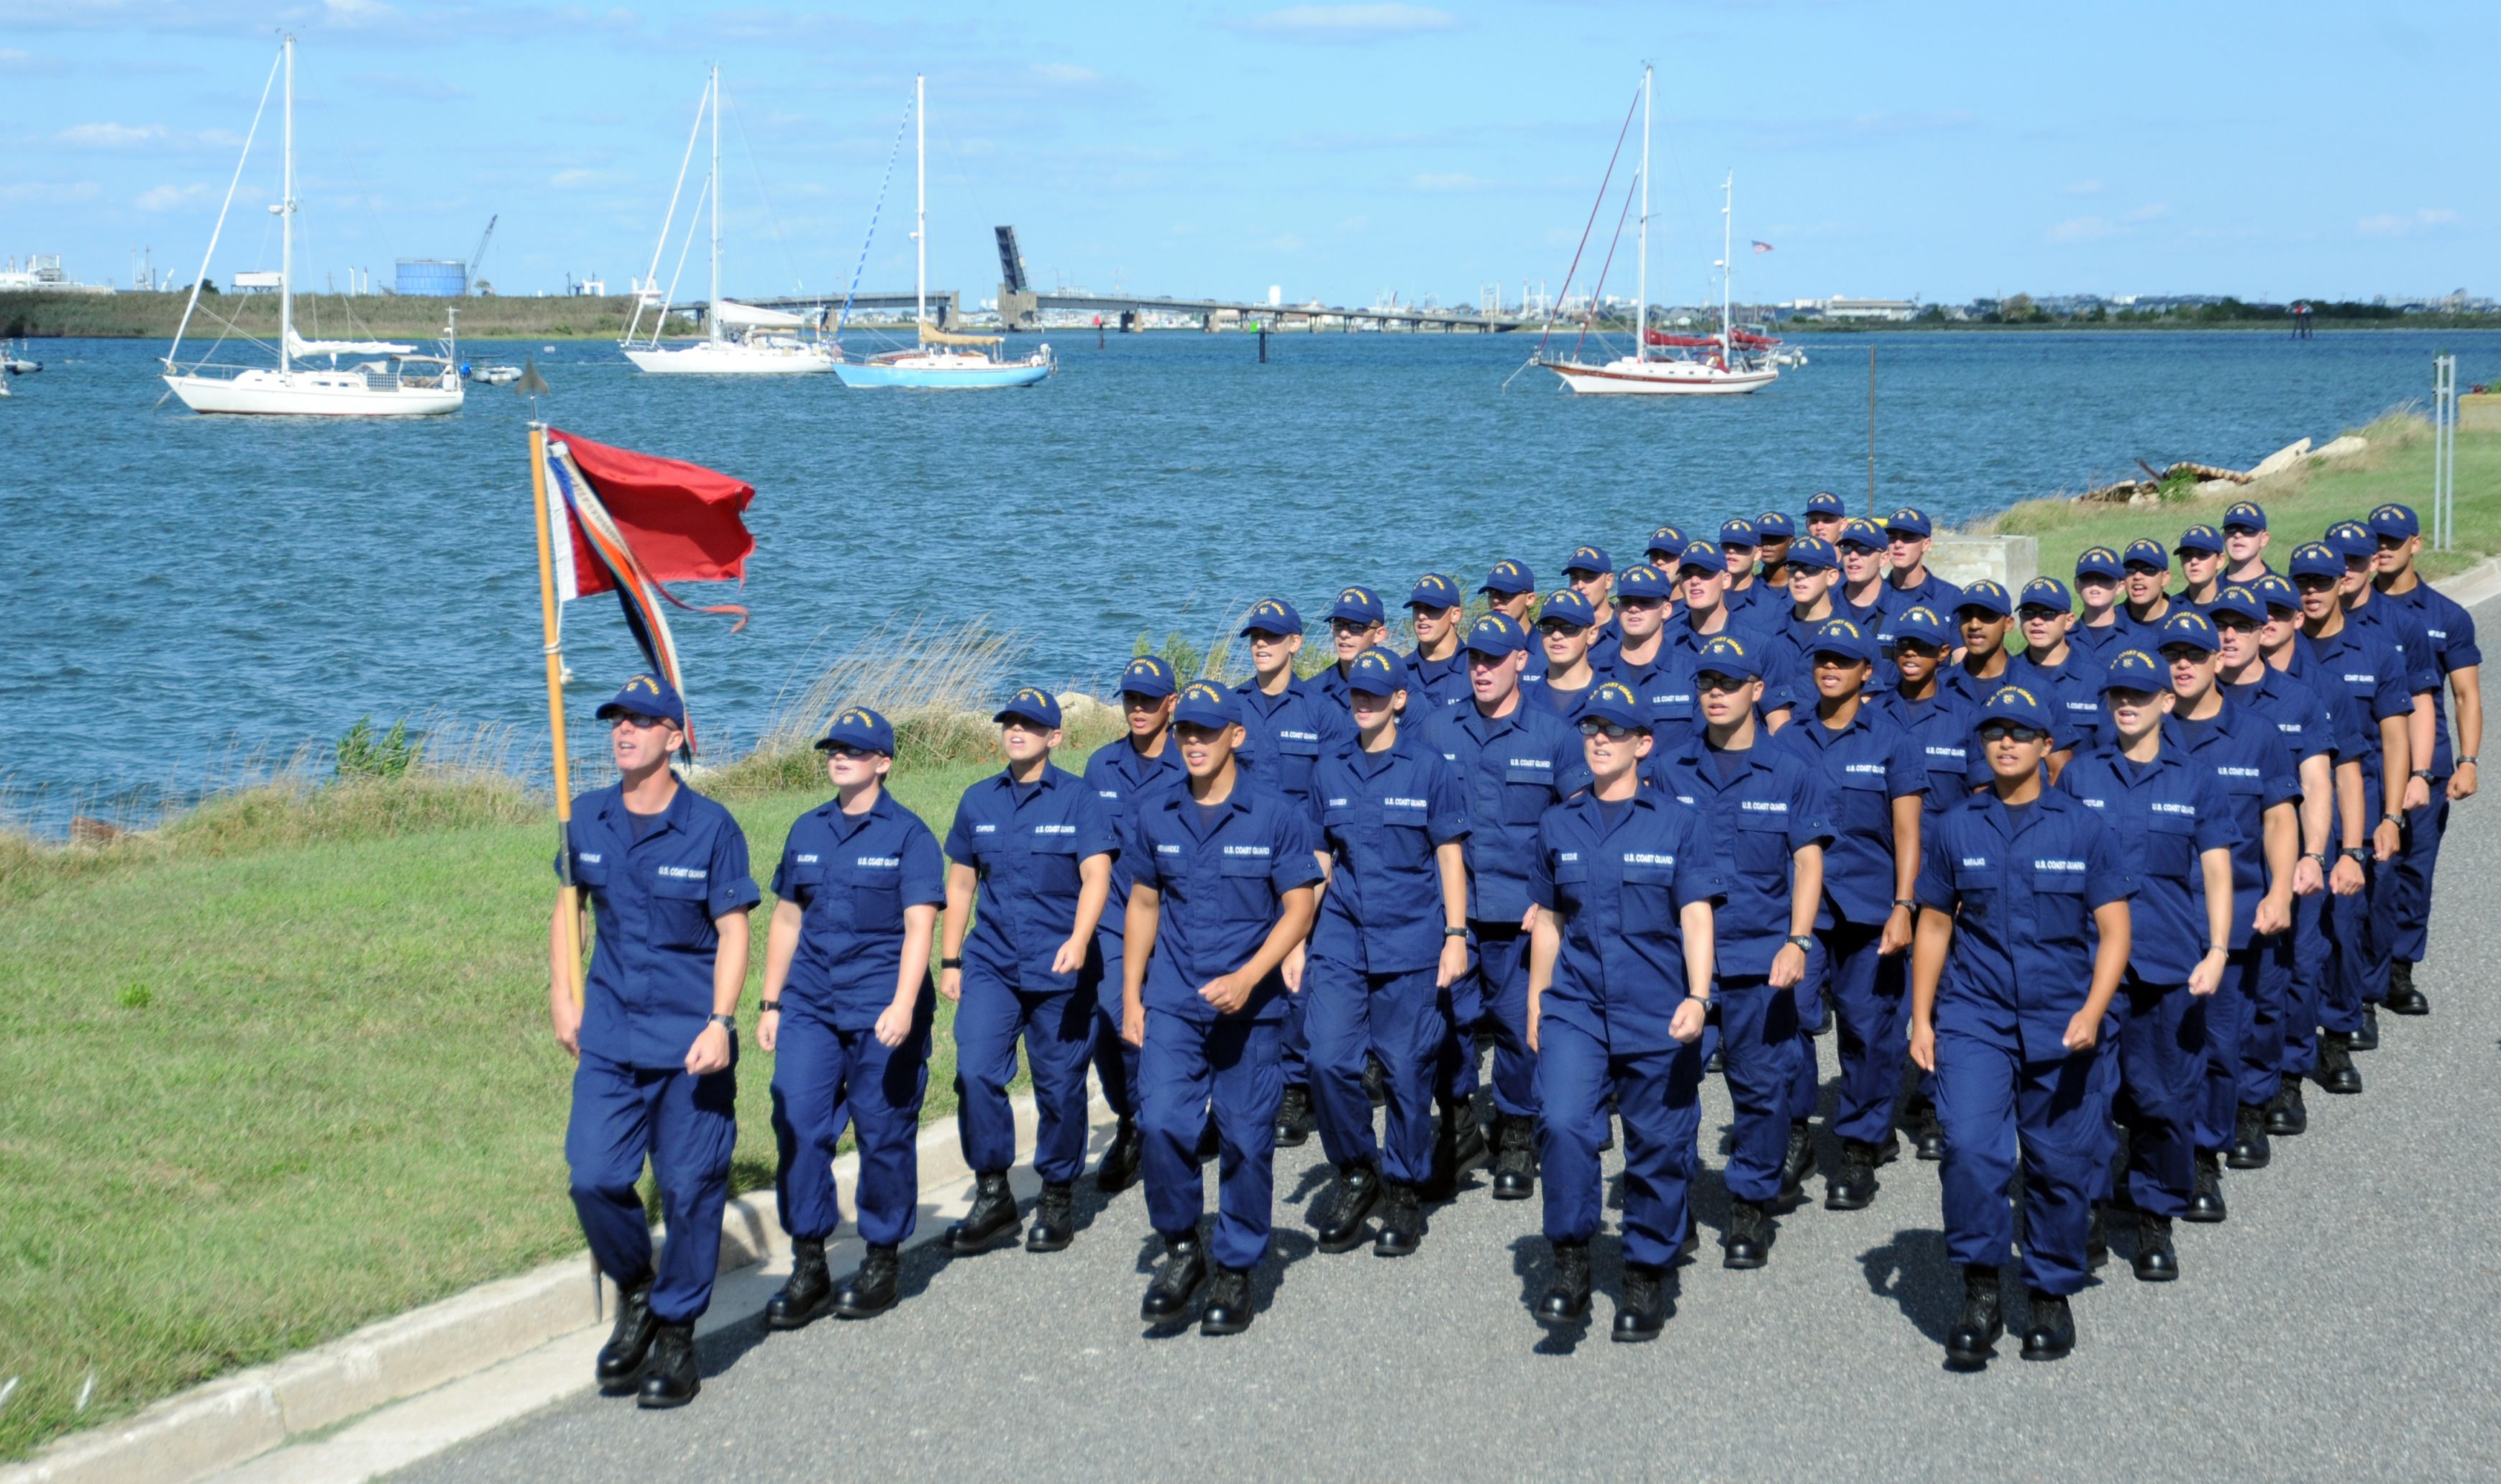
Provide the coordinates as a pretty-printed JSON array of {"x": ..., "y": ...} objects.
[
  {"x": 1026, "y": 842},
  {"x": 2255, "y": 766},
  {"x": 1619, "y": 879},
  {"x": 2363, "y": 665},
  {"x": 1930, "y": 591},
  {"x": 1863, "y": 768},
  {"x": 1222, "y": 880},
  {"x": 2300, "y": 716},
  {"x": 1512, "y": 770},
  {"x": 2449, "y": 631},
  {"x": 1432, "y": 684},
  {"x": 1753, "y": 821},
  {"x": 2164, "y": 814},
  {"x": 1331, "y": 683},
  {"x": 1120, "y": 777},
  {"x": 2023, "y": 893},
  {"x": 1974, "y": 693},
  {"x": 1285, "y": 737},
  {"x": 2072, "y": 690},
  {"x": 649, "y": 991},
  {"x": 1382, "y": 814},
  {"x": 853, "y": 875},
  {"x": 1942, "y": 727},
  {"x": 1663, "y": 685}
]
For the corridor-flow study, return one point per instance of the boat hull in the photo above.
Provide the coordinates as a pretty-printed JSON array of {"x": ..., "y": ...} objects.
[
  {"x": 967, "y": 373},
  {"x": 731, "y": 360},
  {"x": 313, "y": 394},
  {"x": 1660, "y": 378}
]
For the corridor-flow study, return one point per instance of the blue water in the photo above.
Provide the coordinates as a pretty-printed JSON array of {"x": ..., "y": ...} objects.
[{"x": 190, "y": 591}]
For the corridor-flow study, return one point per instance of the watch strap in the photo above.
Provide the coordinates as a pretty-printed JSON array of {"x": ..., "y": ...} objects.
[{"x": 730, "y": 1022}]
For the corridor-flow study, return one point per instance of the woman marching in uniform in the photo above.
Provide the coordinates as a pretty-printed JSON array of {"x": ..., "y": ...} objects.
[
  {"x": 2022, "y": 937},
  {"x": 846, "y": 1008},
  {"x": 1618, "y": 982},
  {"x": 1122, "y": 772}
]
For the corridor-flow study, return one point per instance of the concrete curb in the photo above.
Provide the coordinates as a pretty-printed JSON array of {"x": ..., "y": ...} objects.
[
  {"x": 2474, "y": 587},
  {"x": 245, "y": 1418}
]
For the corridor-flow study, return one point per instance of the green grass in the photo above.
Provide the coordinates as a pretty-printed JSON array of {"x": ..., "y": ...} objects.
[{"x": 282, "y": 1068}]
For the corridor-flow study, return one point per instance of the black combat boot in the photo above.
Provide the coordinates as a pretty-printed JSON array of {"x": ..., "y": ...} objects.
[
  {"x": 1514, "y": 1160},
  {"x": 671, "y": 1379},
  {"x": 2053, "y": 1331},
  {"x": 620, "y": 1360},
  {"x": 1853, "y": 1186},
  {"x": 1797, "y": 1163},
  {"x": 2249, "y": 1147},
  {"x": 1357, "y": 1192},
  {"x": 994, "y": 1214},
  {"x": 2156, "y": 1261},
  {"x": 1055, "y": 1220},
  {"x": 1969, "y": 1343},
  {"x": 1294, "y": 1118},
  {"x": 1928, "y": 1132},
  {"x": 2288, "y": 1116},
  {"x": 810, "y": 1291},
  {"x": 870, "y": 1291},
  {"x": 1119, "y": 1169},
  {"x": 1644, "y": 1311},
  {"x": 1458, "y": 1144},
  {"x": 1567, "y": 1298},
  {"x": 2366, "y": 1039},
  {"x": 1401, "y": 1221},
  {"x": 1228, "y": 1310},
  {"x": 2336, "y": 1071},
  {"x": 2403, "y": 997},
  {"x": 2206, "y": 1204},
  {"x": 1749, "y": 1242},
  {"x": 1176, "y": 1282}
]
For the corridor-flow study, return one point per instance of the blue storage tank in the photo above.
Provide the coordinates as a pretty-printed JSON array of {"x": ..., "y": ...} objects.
[{"x": 433, "y": 278}]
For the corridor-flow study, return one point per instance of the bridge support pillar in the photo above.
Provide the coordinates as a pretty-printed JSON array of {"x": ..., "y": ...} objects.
[
  {"x": 1019, "y": 309},
  {"x": 1132, "y": 321}
]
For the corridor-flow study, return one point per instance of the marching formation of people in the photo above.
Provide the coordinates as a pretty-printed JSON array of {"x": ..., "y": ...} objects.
[{"x": 2088, "y": 916}]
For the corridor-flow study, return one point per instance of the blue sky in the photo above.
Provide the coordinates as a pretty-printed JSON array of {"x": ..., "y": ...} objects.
[{"x": 1206, "y": 146}]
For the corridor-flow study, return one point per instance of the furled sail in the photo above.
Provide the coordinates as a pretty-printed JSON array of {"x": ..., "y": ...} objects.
[
  {"x": 297, "y": 345},
  {"x": 735, "y": 315},
  {"x": 930, "y": 336}
]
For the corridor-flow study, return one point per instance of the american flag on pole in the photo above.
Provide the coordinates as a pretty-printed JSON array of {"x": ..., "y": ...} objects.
[{"x": 1762, "y": 246}]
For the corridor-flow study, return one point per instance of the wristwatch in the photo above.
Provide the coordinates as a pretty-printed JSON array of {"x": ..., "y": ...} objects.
[
  {"x": 950, "y": 963},
  {"x": 1454, "y": 932},
  {"x": 2423, "y": 773},
  {"x": 2323, "y": 858},
  {"x": 2392, "y": 819},
  {"x": 769, "y": 1007},
  {"x": 1802, "y": 943},
  {"x": 1906, "y": 903},
  {"x": 2464, "y": 761},
  {"x": 729, "y": 1023},
  {"x": 2356, "y": 853}
]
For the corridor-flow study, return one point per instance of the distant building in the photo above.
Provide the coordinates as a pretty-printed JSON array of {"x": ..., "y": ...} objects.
[
  {"x": 1842, "y": 306},
  {"x": 42, "y": 273},
  {"x": 433, "y": 278}
]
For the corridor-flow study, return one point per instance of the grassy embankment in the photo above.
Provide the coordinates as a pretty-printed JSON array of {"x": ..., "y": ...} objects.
[{"x": 153, "y": 317}]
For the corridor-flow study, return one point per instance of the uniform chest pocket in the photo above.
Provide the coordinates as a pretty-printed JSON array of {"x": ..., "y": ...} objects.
[
  {"x": 1571, "y": 887},
  {"x": 2058, "y": 904},
  {"x": 1650, "y": 897},
  {"x": 1979, "y": 891},
  {"x": 590, "y": 871},
  {"x": 681, "y": 911},
  {"x": 1526, "y": 792},
  {"x": 877, "y": 898},
  {"x": 1050, "y": 863},
  {"x": 1763, "y": 847},
  {"x": 1296, "y": 757},
  {"x": 2170, "y": 847},
  {"x": 1866, "y": 804},
  {"x": 1243, "y": 893},
  {"x": 804, "y": 883}
]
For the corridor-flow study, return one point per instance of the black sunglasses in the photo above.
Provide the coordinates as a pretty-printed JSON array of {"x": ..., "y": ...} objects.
[
  {"x": 1606, "y": 729},
  {"x": 2010, "y": 731}
]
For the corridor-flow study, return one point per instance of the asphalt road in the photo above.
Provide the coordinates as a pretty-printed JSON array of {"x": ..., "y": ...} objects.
[{"x": 2345, "y": 1321}]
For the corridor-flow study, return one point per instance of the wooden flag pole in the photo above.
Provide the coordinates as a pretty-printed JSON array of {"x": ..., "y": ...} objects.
[{"x": 568, "y": 900}]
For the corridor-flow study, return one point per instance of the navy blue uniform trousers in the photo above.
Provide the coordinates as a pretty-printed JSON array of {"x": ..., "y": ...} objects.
[
  {"x": 1501, "y": 994},
  {"x": 824, "y": 1077},
  {"x": 685, "y": 1126},
  {"x": 2410, "y": 913},
  {"x": 1228, "y": 1070},
  {"x": 1871, "y": 1013},
  {"x": 1755, "y": 1031},
  {"x": 2158, "y": 1086},
  {"x": 1658, "y": 1096},
  {"x": 1996, "y": 1108},
  {"x": 2312, "y": 965},
  {"x": 1398, "y": 1018},
  {"x": 1057, "y": 1030},
  {"x": 1115, "y": 1060}
]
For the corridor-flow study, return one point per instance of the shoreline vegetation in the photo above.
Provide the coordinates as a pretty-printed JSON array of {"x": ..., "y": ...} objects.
[{"x": 287, "y": 1048}]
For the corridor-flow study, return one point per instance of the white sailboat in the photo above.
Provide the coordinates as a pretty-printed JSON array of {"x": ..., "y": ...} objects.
[
  {"x": 738, "y": 339},
  {"x": 1730, "y": 371},
  {"x": 398, "y": 383},
  {"x": 943, "y": 358}
]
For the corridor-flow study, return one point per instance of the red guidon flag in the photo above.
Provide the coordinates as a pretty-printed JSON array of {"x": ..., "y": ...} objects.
[{"x": 632, "y": 522}]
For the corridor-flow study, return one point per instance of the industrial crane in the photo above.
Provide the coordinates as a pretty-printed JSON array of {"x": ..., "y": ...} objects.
[{"x": 479, "y": 256}]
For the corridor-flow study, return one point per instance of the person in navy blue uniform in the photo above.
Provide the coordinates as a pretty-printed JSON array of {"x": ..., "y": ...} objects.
[
  {"x": 1666, "y": 548},
  {"x": 1123, "y": 773},
  {"x": 1588, "y": 572},
  {"x": 2021, "y": 942},
  {"x": 1567, "y": 628},
  {"x": 2252, "y": 760},
  {"x": 2450, "y": 633},
  {"x": 2245, "y": 542},
  {"x": 1749, "y": 602},
  {"x": 2367, "y": 666},
  {"x": 1872, "y": 774},
  {"x": 1390, "y": 941},
  {"x": 1034, "y": 845},
  {"x": 2148, "y": 568},
  {"x": 847, "y": 1015},
  {"x": 1813, "y": 571},
  {"x": 1515, "y": 760},
  {"x": 1776, "y": 530},
  {"x": 2100, "y": 620},
  {"x": 2200, "y": 549},
  {"x": 1862, "y": 598},
  {"x": 1225, "y": 882},
  {"x": 1702, "y": 580},
  {"x": 1824, "y": 517},
  {"x": 1766, "y": 821},
  {"x": 1940, "y": 721},
  {"x": 1511, "y": 589},
  {"x": 1910, "y": 582},
  {"x": 1437, "y": 672},
  {"x": 1287, "y": 726},
  {"x": 1624, "y": 883},
  {"x": 2284, "y": 999},
  {"x": 2053, "y": 669},
  {"x": 1645, "y": 661},
  {"x": 1357, "y": 623},
  {"x": 1983, "y": 619},
  {"x": 654, "y": 1038},
  {"x": 2174, "y": 832}
]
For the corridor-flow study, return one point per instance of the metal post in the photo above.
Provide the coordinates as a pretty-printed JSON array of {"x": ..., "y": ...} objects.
[
  {"x": 1871, "y": 432},
  {"x": 2444, "y": 451}
]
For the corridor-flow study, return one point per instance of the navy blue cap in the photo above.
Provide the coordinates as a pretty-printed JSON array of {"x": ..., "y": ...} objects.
[
  {"x": 1030, "y": 704},
  {"x": 2135, "y": 670},
  {"x": 2241, "y": 602},
  {"x": 1725, "y": 654},
  {"x": 1702, "y": 554},
  {"x": 1666, "y": 541},
  {"x": 2015, "y": 703},
  {"x": 1839, "y": 636},
  {"x": 1206, "y": 704},
  {"x": 2046, "y": 592},
  {"x": 646, "y": 695},
  {"x": 1644, "y": 582},
  {"x": 2311, "y": 559},
  {"x": 1615, "y": 703},
  {"x": 2145, "y": 551},
  {"x": 1272, "y": 615},
  {"x": 1859, "y": 531},
  {"x": 1148, "y": 676},
  {"x": 2395, "y": 521},
  {"x": 1587, "y": 559},
  {"x": 1496, "y": 634},
  {"x": 2099, "y": 562},
  {"x": 1988, "y": 597},
  {"x": 2246, "y": 513},
  {"x": 1436, "y": 591},
  {"x": 1377, "y": 672},
  {"x": 2275, "y": 592},
  {"x": 2351, "y": 539},
  {"x": 2202, "y": 538},
  {"x": 1359, "y": 605},
  {"x": 1739, "y": 533},
  {"x": 1816, "y": 552},
  {"x": 2187, "y": 626},
  {"x": 1775, "y": 525},
  {"x": 1921, "y": 622},
  {"x": 1567, "y": 604},
  {"x": 1509, "y": 578},
  {"x": 1824, "y": 502},
  {"x": 861, "y": 730},
  {"x": 1909, "y": 519}
]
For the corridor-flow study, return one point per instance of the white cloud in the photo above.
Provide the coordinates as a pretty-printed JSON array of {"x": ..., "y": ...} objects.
[
  {"x": 29, "y": 63},
  {"x": 171, "y": 198},
  {"x": 1348, "y": 22},
  {"x": 2151, "y": 211},
  {"x": 2084, "y": 188},
  {"x": 2080, "y": 229},
  {"x": 1062, "y": 75},
  {"x": 2430, "y": 218},
  {"x": 50, "y": 193},
  {"x": 111, "y": 136}
]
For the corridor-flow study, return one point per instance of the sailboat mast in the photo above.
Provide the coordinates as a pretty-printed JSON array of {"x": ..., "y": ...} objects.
[
  {"x": 1641, "y": 277},
  {"x": 920, "y": 200},
  {"x": 712, "y": 319},
  {"x": 1727, "y": 263},
  {"x": 286, "y": 224}
]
